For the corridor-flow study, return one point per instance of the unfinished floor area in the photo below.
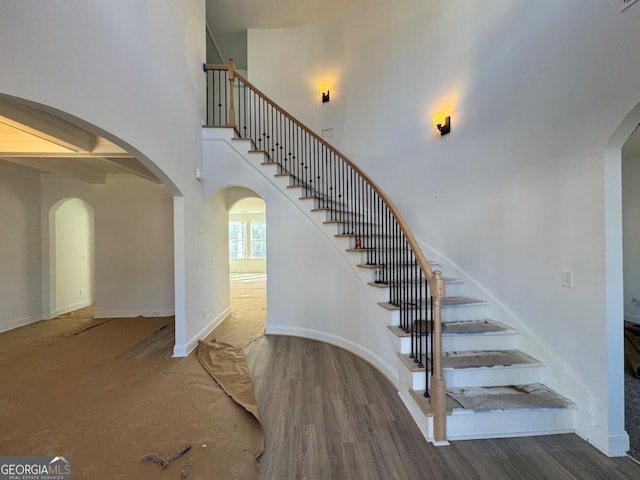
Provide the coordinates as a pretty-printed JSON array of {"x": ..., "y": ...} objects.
[{"x": 105, "y": 389}]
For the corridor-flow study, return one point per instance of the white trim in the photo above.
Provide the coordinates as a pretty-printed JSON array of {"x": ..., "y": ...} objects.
[
  {"x": 353, "y": 347},
  {"x": 21, "y": 322},
  {"x": 182, "y": 350},
  {"x": 612, "y": 405},
  {"x": 612, "y": 445},
  {"x": 424, "y": 422},
  {"x": 179, "y": 273},
  {"x": 134, "y": 313},
  {"x": 72, "y": 307}
]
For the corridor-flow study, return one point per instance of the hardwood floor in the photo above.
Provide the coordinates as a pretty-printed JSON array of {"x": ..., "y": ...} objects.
[{"x": 328, "y": 414}]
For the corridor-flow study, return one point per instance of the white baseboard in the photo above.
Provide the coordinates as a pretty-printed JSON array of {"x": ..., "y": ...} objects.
[
  {"x": 355, "y": 348},
  {"x": 424, "y": 423},
  {"x": 183, "y": 350},
  {"x": 20, "y": 322},
  {"x": 134, "y": 313},
  {"x": 72, "y": 307},
  {"x": 611, "y": 444}
]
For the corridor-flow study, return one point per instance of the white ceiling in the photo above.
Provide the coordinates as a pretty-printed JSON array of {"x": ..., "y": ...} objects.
[
  {"x": 34, "y": 139},
  {"x": 226, "y": 16},
  {"x": 248, "y": 205}
]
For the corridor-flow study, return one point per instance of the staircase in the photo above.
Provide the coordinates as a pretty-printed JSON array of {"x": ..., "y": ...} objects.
[{"x": 492, "y": 388}]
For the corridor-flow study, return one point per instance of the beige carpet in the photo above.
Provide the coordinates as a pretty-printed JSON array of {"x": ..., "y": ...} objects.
[{"x": 65, "y": 393}]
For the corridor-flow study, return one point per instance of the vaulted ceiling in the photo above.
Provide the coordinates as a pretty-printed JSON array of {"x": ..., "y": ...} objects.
[
  {"x": 37, "y": 140},
  {"x": 227, "y": 16}
]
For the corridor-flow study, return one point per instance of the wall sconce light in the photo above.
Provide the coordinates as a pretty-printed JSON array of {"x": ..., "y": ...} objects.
[
  {"x": 442, "y": 123},
  {"x": 325, "y": 96}
]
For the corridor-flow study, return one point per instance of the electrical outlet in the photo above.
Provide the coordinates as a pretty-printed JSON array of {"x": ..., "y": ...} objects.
[
  {"x": 626, "y": 4},
  {"x": 82, "y": 291},
  {"x": 567, "y": 279}
]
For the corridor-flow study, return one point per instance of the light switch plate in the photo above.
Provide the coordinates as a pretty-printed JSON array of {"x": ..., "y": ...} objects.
[{"x": 567, "y": 279}]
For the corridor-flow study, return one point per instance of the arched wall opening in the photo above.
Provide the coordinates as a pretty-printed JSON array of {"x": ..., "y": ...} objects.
[
  {"x": 72, "y": 259},
  {"x": 613, "y": 414},
  {"x": 246, "y": 254},
  {"x": 131, "y": 201}
]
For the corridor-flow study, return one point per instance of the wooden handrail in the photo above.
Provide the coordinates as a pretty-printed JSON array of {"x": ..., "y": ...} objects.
[{"x": 413, "y": 243}]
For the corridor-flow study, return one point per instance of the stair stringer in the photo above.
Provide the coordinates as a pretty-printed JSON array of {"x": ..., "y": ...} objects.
[
  {"x": 352, "y": 319},
  {"x": 554, "y": 374}
]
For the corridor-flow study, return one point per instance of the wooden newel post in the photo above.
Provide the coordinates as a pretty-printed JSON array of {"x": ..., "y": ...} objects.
[
  {"x": 438, "y": 387},
  {"x": 232, "y": 80}
]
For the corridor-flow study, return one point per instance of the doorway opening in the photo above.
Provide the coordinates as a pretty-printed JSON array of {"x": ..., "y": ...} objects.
[
  {"x": 72, "y": 262},
  {"x": 248, "y": 261},
  {"x": 631, "y": 287},
  {"x": 618, "y": 422}
]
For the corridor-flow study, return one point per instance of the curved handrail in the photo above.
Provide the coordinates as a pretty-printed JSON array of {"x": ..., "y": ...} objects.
[{"x": 413, "y": 243}]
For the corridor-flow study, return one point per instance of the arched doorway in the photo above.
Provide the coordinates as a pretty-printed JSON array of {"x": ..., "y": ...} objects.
[
  {"x": 72, "y": 259},
  {"x": 614, "y": 265},
  {"x": 631, "y": 282},
  {"x": 246, "y": 253}
]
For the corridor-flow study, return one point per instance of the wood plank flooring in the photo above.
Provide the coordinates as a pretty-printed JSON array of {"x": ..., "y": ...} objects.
[{"x": 328, "y": 414}]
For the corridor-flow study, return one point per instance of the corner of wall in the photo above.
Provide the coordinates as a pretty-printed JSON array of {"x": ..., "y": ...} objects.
[
  {"x": 184, "y": 349},
  {"x": 611, "y": 444}
]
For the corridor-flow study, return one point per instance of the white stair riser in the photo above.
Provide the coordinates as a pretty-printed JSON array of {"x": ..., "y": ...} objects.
[
  {"x": 493, "y": 341},
  {"x": 479, "y": 377},
  {"x": 418, "y": 380},
  {"x": 456, "y": 313},
  {"x": 451, "y": 289},
  {"x": 454, "y": 289},
  {"x": 281, "y": 182},
  {"x": 491, "y": 376},
  {"x": 425, "y": 423},
  {"x": 413, "y": 380},
  {"x": 509, "y": 423},
  {"x": 463, "y": 343}
]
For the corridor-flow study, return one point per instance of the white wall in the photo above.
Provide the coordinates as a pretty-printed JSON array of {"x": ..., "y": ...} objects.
[
  {"x": 307, "y": 293},
  {"x": 20, "y": 301},
  {"x": 74, "y": 255},
  {"x": 515, "y": 194},
  {"x": 631, "y": 236},
  {"x": 133, "y": 243}
]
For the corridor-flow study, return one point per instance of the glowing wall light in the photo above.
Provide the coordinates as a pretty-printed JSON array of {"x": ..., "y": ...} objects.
[{"x": 442, "y": 123}]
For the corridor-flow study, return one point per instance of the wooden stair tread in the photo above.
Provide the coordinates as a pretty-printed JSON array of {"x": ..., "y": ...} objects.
[
  {"x": 371, "y": 266},
  {"x": 475, "y": 360},
  {"x": 447, "y": 281},
  {"x": 461, "y": 300},
  {"x": 446, "y": 302},
  {"x": 425, "y": 403},
  {"x": 529, "y": 396},
  {"x": 487, "y": 359},
  {"x": 461, "y": 327}
]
